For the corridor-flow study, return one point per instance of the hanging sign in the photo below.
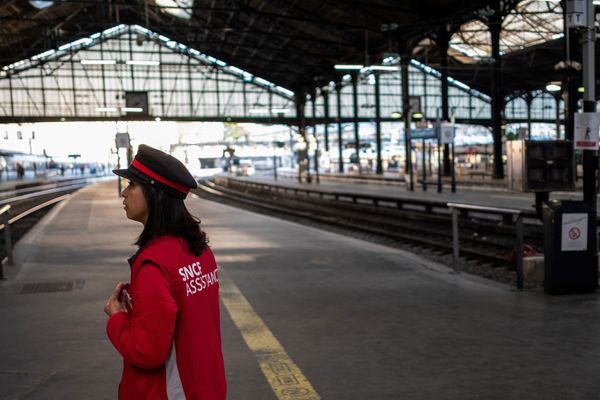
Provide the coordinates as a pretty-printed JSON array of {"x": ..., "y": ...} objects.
[
  {"x": 446, "y": 133},
  {"x": 574, "y": 232},
  {"x": 576, "y": 13},
  {"x": 122, "y": 140},
  {"x": 586, "y": 130},
  {"x": 426, "y": 133}
]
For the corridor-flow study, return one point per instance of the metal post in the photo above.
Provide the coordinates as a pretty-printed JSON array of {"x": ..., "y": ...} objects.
[
  {"x": 411, "y": 183},
  {"x": 519, "y": 228},
  {"x": 424, "y": 166},
  {"x": 275, "y": 160},
  {"x": 379, "y": 166},
  {"x": 589, "y": 105},
  {"x": 455, "y": 238},
  {"x": 355, "y": 113},
  {"x": 338, "y": 90},
  {"x": 453, "y": 170},
  {"x": 439, "y": 180},
  {"x": 118, "y": 167}
]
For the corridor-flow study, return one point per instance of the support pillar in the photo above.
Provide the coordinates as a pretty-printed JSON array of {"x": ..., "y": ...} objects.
[
  {"x": 379, "y": 166},
  {"x": 338, "y": 93},
  {"x": 355, "y": 113},
  {"x": 406, "y": 112},
  {"x": 497, "y": 97}
]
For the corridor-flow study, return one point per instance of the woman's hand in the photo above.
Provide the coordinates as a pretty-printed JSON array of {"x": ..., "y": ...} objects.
[{"x": 115, "y": 302}]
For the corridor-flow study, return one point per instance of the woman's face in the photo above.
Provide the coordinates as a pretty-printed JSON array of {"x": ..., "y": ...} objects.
[{"x": 135, "y": 204}]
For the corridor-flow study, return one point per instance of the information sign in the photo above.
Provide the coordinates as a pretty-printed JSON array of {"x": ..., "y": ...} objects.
[
  {"x": 586, "y": 130},
  {"x": 576, "y": 13},
  {"x": 447, "y": 133},
  {"x": 574, "y": 232},
  {"x": 426, "y": 133},
  {"x": 122, "y": 140}
]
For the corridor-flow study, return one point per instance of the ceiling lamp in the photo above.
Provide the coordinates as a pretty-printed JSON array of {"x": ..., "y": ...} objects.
[
  {"x": 384, "y": 68},
  {"x": 41, "y": 4},
  {"x": 142, "y": 62},
  {"x": 177, "y": 8},
  {"x": 348, "y": 67},
  {"x": 553, "y": 87},
  {"x": 98, "y": 62}
]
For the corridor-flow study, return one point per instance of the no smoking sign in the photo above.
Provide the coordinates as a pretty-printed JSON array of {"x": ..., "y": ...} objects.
[{"x": 574, "y": 232}]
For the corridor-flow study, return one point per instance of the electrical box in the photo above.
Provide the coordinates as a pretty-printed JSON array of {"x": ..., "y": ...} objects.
[{"x": 540, "y": 166}]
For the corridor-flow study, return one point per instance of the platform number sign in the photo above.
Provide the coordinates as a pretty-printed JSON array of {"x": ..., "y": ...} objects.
[
  {"x": 574, "y": 232},
  {"x": 122, "y": 140}
]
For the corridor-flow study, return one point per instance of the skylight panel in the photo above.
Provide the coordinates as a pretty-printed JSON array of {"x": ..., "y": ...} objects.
[{"x": 532, "y": 22}]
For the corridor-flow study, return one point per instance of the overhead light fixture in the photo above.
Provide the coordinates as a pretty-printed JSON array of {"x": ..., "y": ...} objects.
[
  {"x": 280, "y": 110},
  {"x": 258, "y": 111},
  {"x": 553, "y": 87},
  {"x": 98, "y": 62},
  {"x": 348, "y": 66},
  {"x": 132, "y": 109},
  {"x": 384, "y": 68},
  {"x": 142, "y": 62},
  {"x": 41, "y": 4},
  {"x": 106, "y": 109},
  {"x": 580, "y": 89},
  {"x": 417, "y": 115},
  {"x": 397, "y": 115}
]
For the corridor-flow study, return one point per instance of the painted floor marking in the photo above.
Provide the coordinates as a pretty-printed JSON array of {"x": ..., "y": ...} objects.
[{"x": 284, "y": 376}]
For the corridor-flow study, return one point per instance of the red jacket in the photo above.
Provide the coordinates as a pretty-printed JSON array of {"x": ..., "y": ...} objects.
[{"x": 171, "y": 339}]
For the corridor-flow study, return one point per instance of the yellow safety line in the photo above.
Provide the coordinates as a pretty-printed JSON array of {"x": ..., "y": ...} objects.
[{"x": 284, "y": 376}]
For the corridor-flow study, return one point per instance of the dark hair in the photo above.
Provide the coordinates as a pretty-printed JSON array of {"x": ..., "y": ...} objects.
[{"x": 168, "y": 215}]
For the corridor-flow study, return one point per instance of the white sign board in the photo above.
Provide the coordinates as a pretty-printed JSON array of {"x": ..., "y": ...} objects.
[
  {"x": 122, "y": 140},
  {"x": 586, "y": 130},
  {"x": 576, "y": 13},
  {"x": 574, "y": 232},
  {"x": 447, "y": 133}
]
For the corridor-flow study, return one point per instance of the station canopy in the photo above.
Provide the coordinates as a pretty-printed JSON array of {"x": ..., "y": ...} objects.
[{"x": 296, "y": 44}]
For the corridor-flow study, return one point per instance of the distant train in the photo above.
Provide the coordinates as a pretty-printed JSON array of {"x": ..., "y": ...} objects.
[{"x": 15, "y": 165}]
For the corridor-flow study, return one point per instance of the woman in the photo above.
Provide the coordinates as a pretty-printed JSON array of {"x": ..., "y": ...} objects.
[{"x": 165, "y": 322}]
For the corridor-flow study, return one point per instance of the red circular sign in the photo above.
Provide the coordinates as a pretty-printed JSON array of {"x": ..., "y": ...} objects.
[{"x": 574, "y": 233}]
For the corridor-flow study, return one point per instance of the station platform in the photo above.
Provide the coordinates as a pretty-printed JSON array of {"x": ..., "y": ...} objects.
[
  {"x": 306, "y": 314},
  {"x": 469, "y": 192}
]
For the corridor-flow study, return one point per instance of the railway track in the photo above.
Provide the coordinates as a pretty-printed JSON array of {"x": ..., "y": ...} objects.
[
  {"x": 29, "y": 204},
  {"x": 486, "y": 243}
]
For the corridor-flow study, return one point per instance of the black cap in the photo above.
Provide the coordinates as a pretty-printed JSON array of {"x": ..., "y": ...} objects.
[{"x": 159, "y": 169}]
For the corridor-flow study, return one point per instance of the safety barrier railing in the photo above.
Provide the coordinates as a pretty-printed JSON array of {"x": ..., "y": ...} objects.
[
  {"x": 517, "y": 218},
  {"x": 5, "y": 219},
  {"x": 358, "y": 198}
]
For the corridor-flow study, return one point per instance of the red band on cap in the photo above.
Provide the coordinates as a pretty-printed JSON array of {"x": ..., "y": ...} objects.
[{"x": 142, "y": 168}]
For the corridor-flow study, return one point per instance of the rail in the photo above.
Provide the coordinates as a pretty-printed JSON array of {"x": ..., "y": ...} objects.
[
  {"x": 429, "y": 206},
  {"x": 517, "y": 217},
  {"x": 6, "y": 221},
  {"x": 5, "y": 218}
]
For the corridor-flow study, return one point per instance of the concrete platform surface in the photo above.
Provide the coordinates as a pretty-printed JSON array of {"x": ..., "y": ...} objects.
[{"x": 356, "y": 320}]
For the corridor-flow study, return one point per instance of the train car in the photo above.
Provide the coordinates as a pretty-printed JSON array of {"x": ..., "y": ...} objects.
[
  {"x": 15, "y": 165},
  {"x": 23, "y": 166}
]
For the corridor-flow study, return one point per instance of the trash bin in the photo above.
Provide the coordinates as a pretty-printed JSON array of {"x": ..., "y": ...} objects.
[{"x": 570, "y": 247}]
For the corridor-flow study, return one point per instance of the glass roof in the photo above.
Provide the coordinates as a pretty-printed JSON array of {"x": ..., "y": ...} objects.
[{"x": 531, "y": 22}]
